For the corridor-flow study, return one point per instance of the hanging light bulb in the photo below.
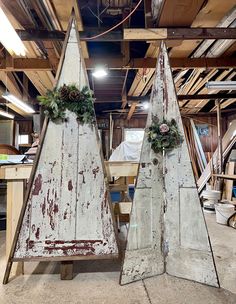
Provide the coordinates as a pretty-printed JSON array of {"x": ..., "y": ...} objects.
[
  {"x": 146, "y": 105},
  {"x": 100, "y": 72}
]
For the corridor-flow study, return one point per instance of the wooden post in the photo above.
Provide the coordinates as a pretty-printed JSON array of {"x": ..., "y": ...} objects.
[
  {"x": 219, "y": 134},
  {"x": 219, "y": 182},
  {"x": 15, "y": 197},
  {"x": 66, "y": 270}
]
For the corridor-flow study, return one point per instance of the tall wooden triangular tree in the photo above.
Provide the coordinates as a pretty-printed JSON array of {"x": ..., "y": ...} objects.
[
  {"x": 67, "y": 213},
  {"x": 167, "y": 231}
]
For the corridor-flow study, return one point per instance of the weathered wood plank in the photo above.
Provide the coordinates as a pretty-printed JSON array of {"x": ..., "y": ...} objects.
[
  {"x": 143, "y": 255},
  {"x": 68, "y": 212},
  {"x": 191, "y": 244},
  {"x": 182, "y": 247}
]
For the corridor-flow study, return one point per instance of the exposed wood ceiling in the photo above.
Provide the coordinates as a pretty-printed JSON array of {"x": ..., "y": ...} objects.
[{"x": 131, "y": 64}]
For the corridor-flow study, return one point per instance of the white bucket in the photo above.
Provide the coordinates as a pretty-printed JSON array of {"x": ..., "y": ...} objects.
[
  {"x": 211, "y": 197},
  {"x": 223, "y": 212}
]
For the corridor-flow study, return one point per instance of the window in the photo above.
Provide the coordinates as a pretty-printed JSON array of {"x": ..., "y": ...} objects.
[
  {"x": 23, "y": 139},
  {"x": 134, "y": 134}
]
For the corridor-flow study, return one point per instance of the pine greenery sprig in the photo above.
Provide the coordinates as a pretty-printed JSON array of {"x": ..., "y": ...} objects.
[{"x": 69, "y": 97}]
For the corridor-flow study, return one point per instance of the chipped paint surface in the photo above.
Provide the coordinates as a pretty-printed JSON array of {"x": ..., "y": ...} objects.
[
  {"x": 167, "y": 230},
  {"x": 68, "y": 212}
]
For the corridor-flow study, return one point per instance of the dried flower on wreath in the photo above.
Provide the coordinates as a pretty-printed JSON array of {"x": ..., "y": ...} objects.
[{"x": 164, "y": 135}]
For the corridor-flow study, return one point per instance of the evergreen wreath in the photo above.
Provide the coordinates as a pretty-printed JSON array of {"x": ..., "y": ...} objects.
[
  {"x": 69, "y": 97},
  {"x": 164, "y": 135}
]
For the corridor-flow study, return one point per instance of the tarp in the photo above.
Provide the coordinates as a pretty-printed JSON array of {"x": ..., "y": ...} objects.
[{"x": 127, "y": 150}]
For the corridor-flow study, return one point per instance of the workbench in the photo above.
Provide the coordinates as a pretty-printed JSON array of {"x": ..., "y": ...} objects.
[{"x": 121, "y": 169}]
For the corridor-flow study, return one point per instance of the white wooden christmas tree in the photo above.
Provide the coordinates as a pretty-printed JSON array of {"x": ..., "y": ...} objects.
[
  {"x": 66, "y": 215},
  {"x": 167, "y": 232}
]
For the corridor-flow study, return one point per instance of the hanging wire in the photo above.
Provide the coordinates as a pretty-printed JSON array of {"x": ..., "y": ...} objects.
[{"x": 115, "y": 26}]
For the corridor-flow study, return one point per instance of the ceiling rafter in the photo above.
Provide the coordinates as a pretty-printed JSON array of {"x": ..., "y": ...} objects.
[{"x": 168, "y": 13}]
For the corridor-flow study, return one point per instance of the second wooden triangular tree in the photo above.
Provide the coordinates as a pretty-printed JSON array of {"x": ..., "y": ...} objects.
[
  {"x": 67, "y": 213},
  {"x": 167, "y": 231}
]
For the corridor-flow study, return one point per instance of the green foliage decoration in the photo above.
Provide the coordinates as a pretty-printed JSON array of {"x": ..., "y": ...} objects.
[
  {"x": 164, "y": 135},
  {"x": 69, "y": 97}
]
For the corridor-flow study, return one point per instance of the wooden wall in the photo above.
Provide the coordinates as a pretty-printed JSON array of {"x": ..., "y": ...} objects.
[
  {"x": 229, "y": 118},
  {"x": 25, "y": 127},
  {"x": 118, "y": 130},
  {"x": 209, "y": 142}
]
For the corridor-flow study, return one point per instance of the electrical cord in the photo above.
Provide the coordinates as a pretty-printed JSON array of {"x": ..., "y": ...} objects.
[{"x": 115, "y": 26}]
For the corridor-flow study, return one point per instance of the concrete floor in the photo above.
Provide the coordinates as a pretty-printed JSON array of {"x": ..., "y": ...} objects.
[{"x": 97, "y": 282}]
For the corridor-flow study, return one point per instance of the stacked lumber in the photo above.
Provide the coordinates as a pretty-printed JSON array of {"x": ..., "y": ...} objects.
[
  {"x": 228, "y": 142},
  {"x": 228, "y": 183},
  {"x": 197, "y": 156}
]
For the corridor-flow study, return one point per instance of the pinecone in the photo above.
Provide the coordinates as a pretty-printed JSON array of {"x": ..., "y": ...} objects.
[
  {"x": 64, "y": 93},
  {"x": 74, "y": 95}
]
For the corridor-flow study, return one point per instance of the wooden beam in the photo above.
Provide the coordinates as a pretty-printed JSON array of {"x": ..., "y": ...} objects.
[
  {"x": 196, "y": 97},
  {"x": 134, "y": 34},
  {"x": 224, "y": 75},
  {"x": 10, "y": 83},
  {"x": 209, "y": 16},
  {"x": 207, "y": 96},
  {"x": 40, "y": 79},
  {"x": 51, "y": 54},
  {"x": 36, "y": 35},
  {"x": 123, "y": 92},
  {"x": 138, "y": 34},
  {"x": 132, "y": 110},
  {"x": 225, "y": 176},
  {"x": 137, "y": 63},
  {"x": 227, "y": 21},
  {"x": 26, "y": 64},
  {"x": 39, "y": 64},
  {"x": 227, "y": 103}
]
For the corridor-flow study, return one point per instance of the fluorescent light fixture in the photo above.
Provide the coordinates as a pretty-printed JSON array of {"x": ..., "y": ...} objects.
[
  {"x": 100, "y": 73},
  {"x": 6, "y": 114},
  {"x": 18, "y": 103},
  {"x": 221, "y": 85},
  {"x": 9, "y": 38}
]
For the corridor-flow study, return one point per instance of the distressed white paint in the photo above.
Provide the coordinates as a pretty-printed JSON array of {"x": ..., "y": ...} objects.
[
  {"x": 68, "y": 213},
  {"x": 143, "y": 256},
  {"x": 182, "y": 245}
]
